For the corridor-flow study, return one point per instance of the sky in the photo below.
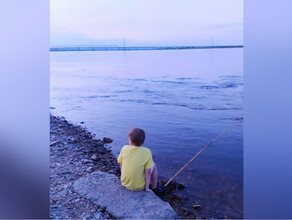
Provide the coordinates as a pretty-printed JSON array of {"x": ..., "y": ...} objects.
[{"x": 146, "y": 22}]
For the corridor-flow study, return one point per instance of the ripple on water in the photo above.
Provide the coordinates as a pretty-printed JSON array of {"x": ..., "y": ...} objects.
[{"x": 168, "y": 81}]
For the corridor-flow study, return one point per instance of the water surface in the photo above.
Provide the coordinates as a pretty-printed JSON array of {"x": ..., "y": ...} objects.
[{"x": 181, "y": 98}]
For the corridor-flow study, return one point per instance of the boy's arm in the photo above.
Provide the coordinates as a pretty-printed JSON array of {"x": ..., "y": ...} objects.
[
  {"x": 121, "y": 167},
  {"x": 147, "y": 179}
]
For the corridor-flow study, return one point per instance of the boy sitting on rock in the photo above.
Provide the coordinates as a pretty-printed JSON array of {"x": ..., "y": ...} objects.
[{"x": 137, "y": 167}]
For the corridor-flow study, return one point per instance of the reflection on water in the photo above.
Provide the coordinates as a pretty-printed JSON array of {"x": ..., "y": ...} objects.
[{"x": 182, "y": 99}]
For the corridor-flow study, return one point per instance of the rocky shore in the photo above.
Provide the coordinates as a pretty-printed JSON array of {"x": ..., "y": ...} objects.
[{"x": 76, "y": 153}]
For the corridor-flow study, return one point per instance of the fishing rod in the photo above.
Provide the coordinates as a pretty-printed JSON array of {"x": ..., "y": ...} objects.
[{"x": 211, "y": 142}]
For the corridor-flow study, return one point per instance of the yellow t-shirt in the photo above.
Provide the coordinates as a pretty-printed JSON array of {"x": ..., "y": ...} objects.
[{"x": 134, "y": 162}]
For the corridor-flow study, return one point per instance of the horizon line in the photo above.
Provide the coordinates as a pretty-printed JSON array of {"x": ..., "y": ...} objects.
[{"x": 121, "y": 48}]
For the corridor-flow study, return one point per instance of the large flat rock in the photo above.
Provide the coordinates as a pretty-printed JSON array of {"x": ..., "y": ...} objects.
[{"x": 106, "y": 190}]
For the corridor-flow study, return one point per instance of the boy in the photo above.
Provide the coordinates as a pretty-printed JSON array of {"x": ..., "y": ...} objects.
[{"x": 137, "y": 167}]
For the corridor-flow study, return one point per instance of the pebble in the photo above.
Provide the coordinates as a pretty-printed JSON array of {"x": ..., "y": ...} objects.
[
  {"x": 89, "y": 170},
  {"x": 86, "y": 161},
  {"x": 94, "y": 157},
  {"x": 97, "y": 215},
  {"x": 101, "y": 151},
  {"x": 107, "y": 140},
  {"x": 197, "y": 207},
  {"x": 180, "y": 186},
  {"x": 71, "y": 140},
  {"x": 117, "y": 170}
]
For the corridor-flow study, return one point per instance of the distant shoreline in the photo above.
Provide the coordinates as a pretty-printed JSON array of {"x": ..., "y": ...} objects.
[{"x": 117, "y": 48}]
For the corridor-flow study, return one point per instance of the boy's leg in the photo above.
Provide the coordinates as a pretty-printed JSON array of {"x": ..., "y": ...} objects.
[{"x": 154, "y": 176}]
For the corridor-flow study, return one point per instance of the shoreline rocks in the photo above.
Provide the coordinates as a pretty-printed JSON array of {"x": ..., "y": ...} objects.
[{"x": 75, "y": 154}]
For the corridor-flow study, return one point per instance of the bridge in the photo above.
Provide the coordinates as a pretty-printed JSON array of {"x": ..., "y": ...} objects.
[{"x": 119, "y": 48}]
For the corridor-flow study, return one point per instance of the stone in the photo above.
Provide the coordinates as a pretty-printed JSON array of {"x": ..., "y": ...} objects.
[
  {"x": 94, "y": 157},
  {"x": 107, "y": 140},
  {"x": 97, "y": 142},
  {"x": 101, "y": 150},
  {"x": 117, "y": 170},
  {"x": 89, "y": 170},
  {"x": 172, "y": 186},
  {"x": 86, "y": 161},
  {"x": 159, "y": 191},
  {"x": 105, "y": 190},
  {"x": 180, "y": 186},
  {"x": 86, "y": 151},
  {"x": 54, "y": 143},
  {"x": 97, "y": 215},
  {"x": 197, "y": 207},
  {"x": 71, "y": 140}
]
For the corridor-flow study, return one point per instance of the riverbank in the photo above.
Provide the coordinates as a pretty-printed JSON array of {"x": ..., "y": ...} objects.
[{"x": 76, "y": 153}]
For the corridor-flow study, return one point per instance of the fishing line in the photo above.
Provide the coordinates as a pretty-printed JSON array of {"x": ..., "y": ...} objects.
[{"x": 211, "y": 142}]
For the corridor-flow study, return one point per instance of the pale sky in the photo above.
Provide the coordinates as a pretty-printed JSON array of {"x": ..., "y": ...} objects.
[{"x": 147, "y": 22}]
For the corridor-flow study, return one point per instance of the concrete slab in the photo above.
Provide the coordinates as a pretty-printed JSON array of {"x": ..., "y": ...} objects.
[{"x": 106, "y": 190}]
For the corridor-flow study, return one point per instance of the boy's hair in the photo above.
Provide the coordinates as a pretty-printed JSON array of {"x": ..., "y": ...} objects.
[{"x": 137, "y": 136}]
